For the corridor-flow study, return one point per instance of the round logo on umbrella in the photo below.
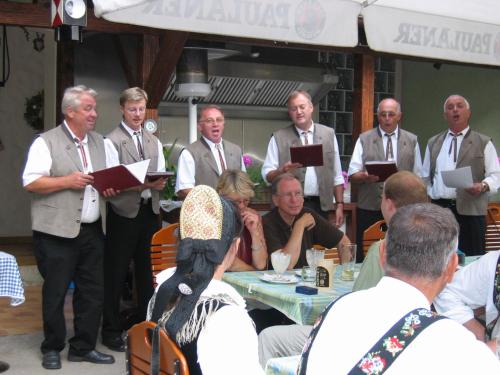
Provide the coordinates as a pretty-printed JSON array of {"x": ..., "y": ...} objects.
[{"x": 310, "y": 18}]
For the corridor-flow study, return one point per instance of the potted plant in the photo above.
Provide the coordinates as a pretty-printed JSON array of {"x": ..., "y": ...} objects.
[
  {"x": 170, "y": 204},
  {"x": 254, "y": 170}
]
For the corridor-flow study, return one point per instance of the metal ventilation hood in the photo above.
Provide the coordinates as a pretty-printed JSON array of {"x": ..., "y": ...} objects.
[{"x": 253, "y": 89}]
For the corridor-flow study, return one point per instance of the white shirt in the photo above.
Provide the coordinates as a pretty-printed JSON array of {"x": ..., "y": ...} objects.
[
  {"x": 39, "y": 164},
  {"x": 445, "y": 162},
  {"x": 227, "y": 344},
  {"x": 472, "y": 287},
  {"x": 186, "y": 166},
  {"x": 356, "y": 164},
  {"x": 146, "y": 193},
  {"x": 357, "y": 321},
  {"x": 311, "y": 187}
]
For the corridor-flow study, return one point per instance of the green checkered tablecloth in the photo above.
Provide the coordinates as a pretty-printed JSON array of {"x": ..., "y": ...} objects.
[
  {"x": 283, "y": 365},
  {"x": 301, "y": 308}
]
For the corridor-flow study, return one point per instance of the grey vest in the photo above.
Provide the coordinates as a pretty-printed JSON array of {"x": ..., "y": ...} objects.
[
  {"x": 59, "y": 213},
  {"x": 471, "y": 154},
  {"x": 288, "y": 137},
  {"x": 370, "y": 194},
  {"x": 206, "y": 172},
  {"x": 127, "y": 203}
]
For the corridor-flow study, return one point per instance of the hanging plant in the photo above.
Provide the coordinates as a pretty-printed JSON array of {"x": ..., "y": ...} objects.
[{"x": 34, "y": 111}]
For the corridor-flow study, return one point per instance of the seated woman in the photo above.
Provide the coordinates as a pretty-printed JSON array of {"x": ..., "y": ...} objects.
[
  {"x": 204, "y": 315},
  {"x": 236, "y": 186}
]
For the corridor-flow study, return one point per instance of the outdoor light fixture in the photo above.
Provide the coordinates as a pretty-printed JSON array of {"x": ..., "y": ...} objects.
[{"x": 69, "y": 17}]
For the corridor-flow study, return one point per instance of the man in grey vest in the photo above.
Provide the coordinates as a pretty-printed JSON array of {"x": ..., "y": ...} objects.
[
  {"x": 321, "y": 183},
  {"x": 133, "y": 218},
  {"x": 385, "y": 142},
  {"x": 457, "y": 147},
  {"x": 68, "y": 237},
  {"x": 202, "y": 162}
]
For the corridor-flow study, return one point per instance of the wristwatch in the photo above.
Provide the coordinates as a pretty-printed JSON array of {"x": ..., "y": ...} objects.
[{"x": 484, "y": 187}]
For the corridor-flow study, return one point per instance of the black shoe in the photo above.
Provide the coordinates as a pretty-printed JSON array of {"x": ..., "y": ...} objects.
[
  {"x": 93, "y": 357},
  {"x": 116, "y": 344},
  {"x": 51, "y": 360}
]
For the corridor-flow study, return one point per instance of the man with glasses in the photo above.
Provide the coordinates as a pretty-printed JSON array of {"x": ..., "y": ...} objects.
[
  {"x": 457, "y": 147},
  {"x": 385, "y": 142},
  {"x": 132, "y": 218},
  {"x": 322, "y": 184},
  {"x": 202, "y": 162},
  {"x": 294, "y": 228}
]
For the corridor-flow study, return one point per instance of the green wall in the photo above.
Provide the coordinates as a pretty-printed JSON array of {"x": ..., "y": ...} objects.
[{"x": 424, "y": 89}]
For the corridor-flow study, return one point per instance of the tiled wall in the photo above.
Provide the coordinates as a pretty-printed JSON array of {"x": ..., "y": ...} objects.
[{"x": 335, "y": 109}]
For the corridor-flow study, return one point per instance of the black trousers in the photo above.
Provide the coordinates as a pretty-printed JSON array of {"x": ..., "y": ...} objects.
[
  {"x": 471, "y": 239},
  {"x": 61, "y": 260},
  {"x": 127, "y": 240},
  {"x": 364, "y": 218}
]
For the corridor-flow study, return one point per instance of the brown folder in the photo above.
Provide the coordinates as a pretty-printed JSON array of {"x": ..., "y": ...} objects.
[
  {"x": 118, "y": 178},
  {"x": 307, "y": 155},
  {"x": 382, "y": 169},
  {"x": 153, "y": 176}
]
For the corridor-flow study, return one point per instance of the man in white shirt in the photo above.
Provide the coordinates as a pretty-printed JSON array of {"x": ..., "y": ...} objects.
[
  {"x": 419, "y": 260},
  {"x": 457, "y": 147},
  {"x": 202, "y": 162},
  {"x": 322, "y": 185},
  {"x": 132, "y": 218},
  {"x": 475, "y": 289},
  {"x": 387, "y": 142},
  {"x": 66, "y": 213}
]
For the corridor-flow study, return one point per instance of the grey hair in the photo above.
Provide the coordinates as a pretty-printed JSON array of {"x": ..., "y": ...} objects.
[
  {"x": 282, "y": 177},
  {"x": 296, "y": 93},
  {"x": 467, "y": 105},
  {"x": 72, "y": 95},
  {"x": 398, "y": 106},
  {"x": 420, "y": 241}
]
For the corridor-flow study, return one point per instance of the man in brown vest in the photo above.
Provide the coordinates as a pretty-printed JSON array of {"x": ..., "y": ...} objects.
[
  {"x": 460, "y": 146},
  {"x": 320, "y": 183},
  {"x": 132, "y": 218},
  {"x": 202, "y": 162},
  {"x": 385, "y": 142},
  {"x": 68, "y": 237}
]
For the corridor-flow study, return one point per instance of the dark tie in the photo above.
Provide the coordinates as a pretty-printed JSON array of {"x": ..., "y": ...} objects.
[
  {"x": 139, "y": 145},
  {"x": 306, "y": 142},
  {"x": 82, "y": 152},
  {"x": 389, "y": 154},
  {"x": 222, "y": 164},
  {"x": 453, "y": 145}
]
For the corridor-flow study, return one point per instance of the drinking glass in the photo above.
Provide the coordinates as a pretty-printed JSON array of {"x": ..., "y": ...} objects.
[
  {"x": 280, "y": 262},
  {"x": 347, "y": 260},
  {"x": 313, "y": 257}
]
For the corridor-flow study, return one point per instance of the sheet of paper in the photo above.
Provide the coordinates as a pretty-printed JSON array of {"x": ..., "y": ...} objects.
[
  {"x": 139, "y": 169},
  {"x": 460, "y": 178}
]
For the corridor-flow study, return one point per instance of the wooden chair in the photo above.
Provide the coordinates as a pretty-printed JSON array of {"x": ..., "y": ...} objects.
[
  {"x": 164, "y": 249},
  {"x": 373, "y": 233},
  {"x": 139, "y": 339},
  {"x": 332, "y": 253},
  {"x": 493, "y": 227}
]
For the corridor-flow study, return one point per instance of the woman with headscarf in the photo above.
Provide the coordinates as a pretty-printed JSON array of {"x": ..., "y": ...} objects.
[
  {"x": 236, "y": 186},
  {"x": 205, "y": 316}
]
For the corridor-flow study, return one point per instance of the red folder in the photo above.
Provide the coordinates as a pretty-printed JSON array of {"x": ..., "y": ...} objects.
[
  {"x": 307, "y": 155},
  {"x": 382, "y": 169},
  {"x": 118, "y": 178}
]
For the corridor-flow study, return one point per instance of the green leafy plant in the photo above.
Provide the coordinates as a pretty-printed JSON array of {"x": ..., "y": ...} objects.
[
  {"x": 169, "y": 191},
  {"x": 254, "y": 170}
]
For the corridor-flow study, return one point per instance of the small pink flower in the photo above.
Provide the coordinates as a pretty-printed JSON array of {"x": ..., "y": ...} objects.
[
  {"x": 346, "y": 179},
  {"x": 247, "y": 160}
]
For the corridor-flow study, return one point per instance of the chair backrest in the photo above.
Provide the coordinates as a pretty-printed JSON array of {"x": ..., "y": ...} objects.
[
  {"x": 492, "y": 238},
  {"x": 139, "y": 337},
  {"x": 332, "y": 253},
  {"x": 373, "y": 233},
  {"x": 164, "y": 248}
]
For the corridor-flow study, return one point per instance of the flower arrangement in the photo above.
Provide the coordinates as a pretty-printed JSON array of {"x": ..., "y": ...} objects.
[{"x": 254, "y": 168}]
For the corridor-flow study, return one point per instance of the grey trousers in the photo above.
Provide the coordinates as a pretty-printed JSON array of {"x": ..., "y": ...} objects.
[{"x": 282, "y": 341}]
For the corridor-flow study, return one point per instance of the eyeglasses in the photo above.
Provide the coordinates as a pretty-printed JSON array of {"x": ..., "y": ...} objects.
[
  {"x": 134, "y": 110},
  {"x": 387, "y": 114},
  {"x": 211, "y": 121},
  {"x": 292, "y": 194}
]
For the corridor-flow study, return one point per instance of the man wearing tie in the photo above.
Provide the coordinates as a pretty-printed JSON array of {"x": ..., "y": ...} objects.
[
  {"x": 457, "y": 147},
  {"x": 202, "y": 162},
  {"x": 385, "y": 142},
  {"x": 321, "y": 184},
  {"x": 133, "y": 218}
]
